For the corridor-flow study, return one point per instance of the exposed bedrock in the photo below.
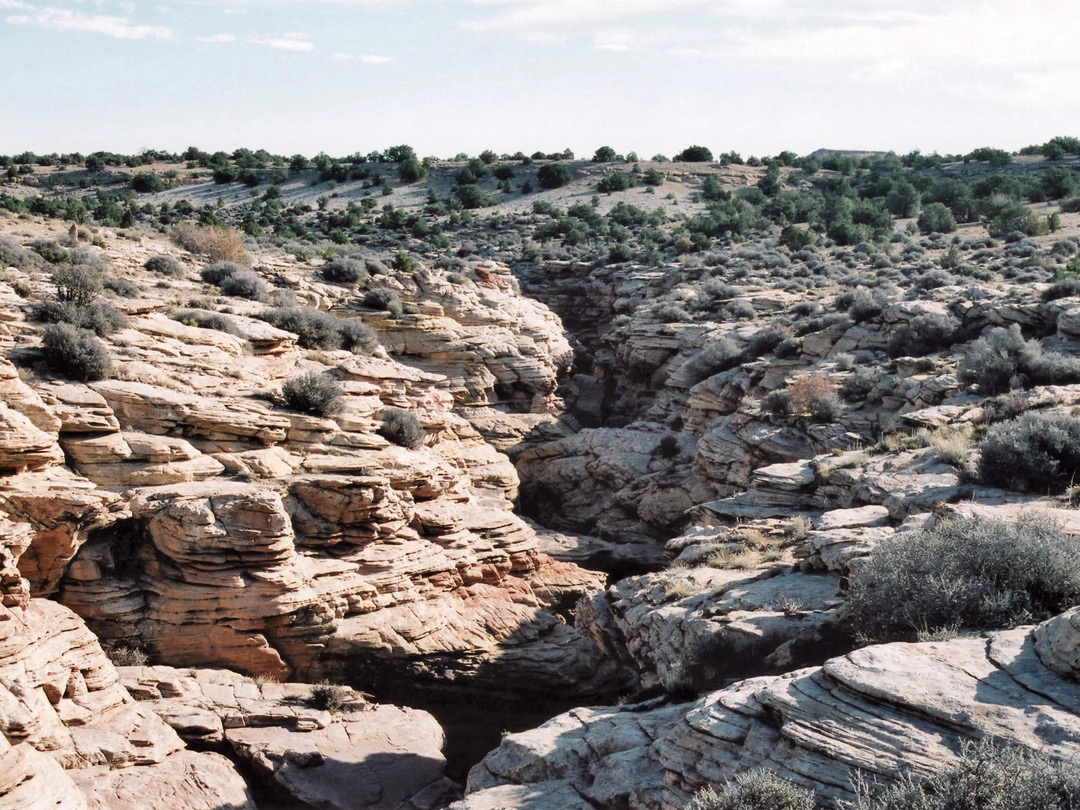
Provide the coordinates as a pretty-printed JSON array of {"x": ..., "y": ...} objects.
[{"x": 881, "y": 710}]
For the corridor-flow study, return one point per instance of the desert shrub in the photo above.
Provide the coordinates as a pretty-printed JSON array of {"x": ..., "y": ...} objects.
[
  {"x": 796, "y": 238},
  {"x": 668, "y": 447},
  {"x": 147, "y": 183},
  {"x": 219, "y": 271},
  {"x": 553, "y": 175},
  {"x": 205, "y": 320},
  {"x": 965, "y": 573},
  {"x": 312, "y": 393},
  {"x": 329, "y": 697},
  {"x": 813, "y": 396},
  {"x": 788, "y": 348},
  {"x": 411, "y": 170},
  {"x": 862, "y": 305},
  {"x": 620, "y": 253},
  {"x": 936, "y": 218},
  {"x": 1002, "y": 359},
  {"x": 357, "y": 336},
  {"x": 672, "y": 313},
  {"x": 50, "y": 251},
  {"x": 14, "y": 255},
  {"x": 738, "y": 310},
  {"x": 1015, "y": 217},
  {"x": 755, "y": 790},
  {"x": 472, "y": 196},
  {"x": 401, "y": 428},
  {"x": 316, "y": 329},
  {"x": 345, "y": 271},
  {"x": 1036, "y": 452},
  {"x": 1066, "y": 288},
  {"x": 121, "y": 286},
  {"x": 75, "y": 352},
  {"x": 765, "y": 341},
  {"x": 100, "y": 317},
  {"x": 923, "y": 335},
  {"x": 858, "y": 385},
  {"x": 236, "y": 280},
  {"x": 245, "y": 284},
  {"x": 385, "y": 299},
  {"x": 215, "y": 243},
  {"x": 695, "y": 154},
  {"x": 720, "y": 355},
  {"x": 164, "y": 265},
  {"x": 124, "y": 656},
  {"x": 77, "y": 284},
  {"x": 987, "y": 777}
]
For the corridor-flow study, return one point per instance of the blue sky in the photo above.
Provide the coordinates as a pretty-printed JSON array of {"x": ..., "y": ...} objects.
[{"x": 449, "y": 76}]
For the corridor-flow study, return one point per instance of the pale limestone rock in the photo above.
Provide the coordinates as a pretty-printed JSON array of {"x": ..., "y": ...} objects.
[{"x": 128, "y": 459}]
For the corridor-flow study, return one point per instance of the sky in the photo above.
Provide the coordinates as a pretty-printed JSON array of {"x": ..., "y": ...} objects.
[{"x": 452, "y": 76}]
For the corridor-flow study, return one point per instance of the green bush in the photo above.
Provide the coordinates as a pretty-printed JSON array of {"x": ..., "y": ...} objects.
[
  {"x": 345, "y": 271},
  {"x": 77, "y": 284},
  {"x": 1036, "y": 452},
  {"x": 1066, "y": 288},
  {"x": 553, "y": 175},
  {"x": 75, "y": 352},
  {"x": 965, "y": 573},
  {"x": 1014, "y": 216},
  {"x": 312, "y": 393},
  {"x": 720, "y": 355},
  {"x": 121, "y": 286},
  {"x": 14, "y": 255},
  {"x": 401, "y": 428},
  {"x": 936, "y": 218},
  {"x": 923, "y": 335},
  {"x": 1002, "y": 359},
  {"x": 205, "y": 320},
  {"x": 245, "y": 284},
  {"x": 147, "y": 183},
  {"x": 695, "y": 154},
  {"x": 473, "y": 196},
  {"x": 616, "y": 181},
  {"x": 385, "y": 299},
  {"x": 411, "y": 170},
  {"x": 100, "y": 317},
  {"x": 755, "y": 790},
  {"x": 316, "y": 329},
  {"x": 219, "y": 271},
  {"x": 164, "y": 265},
  {"x": 987, "y": 777},
  {"x": 50, "y": 251}
]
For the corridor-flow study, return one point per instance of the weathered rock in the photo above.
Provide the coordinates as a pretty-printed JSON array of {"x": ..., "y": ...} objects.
[{"x": 360, "y": 755}]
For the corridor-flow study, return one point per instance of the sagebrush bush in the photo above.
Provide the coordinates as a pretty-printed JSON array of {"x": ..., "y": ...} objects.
[
  {"x": 858, "y": 385},
  {"x": 923, "y": 335},
  {"x": 121, "y": 286},
  {"x": 77, "y": 284},
  {"x": 14, "y": 255},
  {"x": 401, "y": 428},
  {"x": 205, "y": 320},
  {"x": 1036, "y": 453},
  {"x": 755, "y": 790},
  {"x": 245, "y": 284},
  {"x": 219, "y": 271},
  {"x": 987, "y": 777},
  {"x": 965, "y": 573},
  {"x": 316, "y": 329},
  {"x": 50, "y": 250},
  {"x": 385, "y": 299},
  {"x": 1066, "y": 288},
  {"x": 217, "y": 244},
  {"x": 100, "y": 317},
  {"x": 329, "y": 697},
  {"x": 312, "y": 393},
  {"x": 75, "y": 352},
  {"x": 164, "y": 265},
  {"x": 345, "y": 271},
  {"x": 720, "y": 355},
  {"x": 1002, "y": 359}
]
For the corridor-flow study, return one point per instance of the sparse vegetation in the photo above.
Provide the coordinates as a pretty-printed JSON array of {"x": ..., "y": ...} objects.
[
  {"x": 1038, "y": 452},
  {"x": 988, "y": 776},
  {"x": 401, "y": 427},
  {"x": 313, "y": 393},
  {"x": 755, "y": 790},
  {"x": 75, "y": 352},
  {"x": 969, "y": 573}
]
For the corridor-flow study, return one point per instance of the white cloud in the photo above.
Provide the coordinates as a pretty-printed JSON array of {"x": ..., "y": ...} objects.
[
  {"x": 372, "y": 59},
  {"x": 343, "y": 56},
  {"x": 616, "y": 40},
  {"x": 217, "y": 38},
  {"x": 66, "y": 20},
  {"x": 14, "y": 4},
  {"x": 297, "y": 43},
  {"x": 530, "y": 13}
]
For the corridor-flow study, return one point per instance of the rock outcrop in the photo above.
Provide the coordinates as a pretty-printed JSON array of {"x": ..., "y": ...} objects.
[{"x": 879, "y": 711}]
